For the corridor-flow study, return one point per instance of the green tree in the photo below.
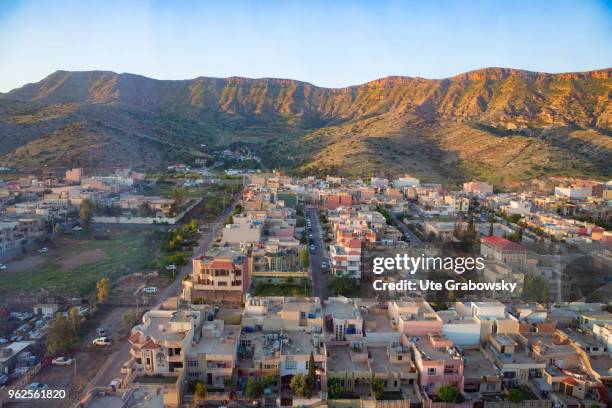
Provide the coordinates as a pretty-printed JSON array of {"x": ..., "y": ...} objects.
[
  {"x": 103, "y": 287},
  {"x": 86, "y": 212},
  {"x": 304, "y": 258},
  {"x": 535, "y": 289},
  {"x": 61, "y": 335},
  {"x": 75, "y": 319},
  {"x": 342, "y": 285},
  {"x": 448, "y": 393},
  {"x": 269, "y": 379},
  {"x": 516, "y": 395},
  {"x": 299, "y": 387},
  {"x": 378, "y": 386},
  {"x": 311, "y": 380},
  {"x": 200, "y": 389},
  {"x": 254, "y": 388},
  {"x": 179, "y": 195}
]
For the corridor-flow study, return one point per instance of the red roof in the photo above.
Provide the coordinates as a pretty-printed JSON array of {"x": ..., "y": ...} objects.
[
  {"x": 220, "y": 265},
  {"x": 134, "y": 337},
  {"x": 150, "y": 344},
  {"x": 503, "y": 244}
]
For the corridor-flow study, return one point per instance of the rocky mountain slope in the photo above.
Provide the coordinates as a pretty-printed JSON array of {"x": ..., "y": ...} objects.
[{"x": 496, "y": 124}]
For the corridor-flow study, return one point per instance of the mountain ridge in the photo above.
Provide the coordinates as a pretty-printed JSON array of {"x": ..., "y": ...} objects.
[{"x": 568, "y": 115}]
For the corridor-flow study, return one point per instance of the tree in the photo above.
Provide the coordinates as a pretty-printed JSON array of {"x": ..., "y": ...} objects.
[
  {"x": 516, "y": 395},
  {"x": 86, "y": 212},
  {"x": 491, "y": 222},
  {"x": 299, "y": 387},
  {"x": 179, "y": 195},
  {"x": 103, "y": 287},
  {"x": 60, "y": 335},
  {"x": 448, "y": 393},
  {"x": 535, "y": 289},
  {"x": 470, "y": 233},
  {"x": 75, "y": 319},
  {"x": 378, "y": 386},
  {"x": 311, "y": 380},
  {"x": 200, "y": 389},
  {"x": 254, "y": 388},
  {"x": 342, "y": 285},
  {"x": 304, "y": 258}
]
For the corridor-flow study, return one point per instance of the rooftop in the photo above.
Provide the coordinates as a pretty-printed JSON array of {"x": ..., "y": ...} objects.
[{"x": 476, "y": 364}]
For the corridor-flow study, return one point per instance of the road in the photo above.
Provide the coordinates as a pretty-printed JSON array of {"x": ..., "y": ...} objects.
[
  {"x": 414, "y": 240},
  {"x": 112, "y": 367},
  {"x": 319, "y": 279}
]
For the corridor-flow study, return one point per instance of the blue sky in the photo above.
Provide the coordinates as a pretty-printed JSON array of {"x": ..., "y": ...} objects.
[{"x": 328, "y": 43}]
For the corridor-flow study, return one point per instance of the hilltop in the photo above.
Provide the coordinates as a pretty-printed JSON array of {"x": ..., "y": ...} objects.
[{"x": 496, "y": 124}]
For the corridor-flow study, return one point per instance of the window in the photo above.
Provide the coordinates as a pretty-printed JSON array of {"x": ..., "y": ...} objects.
[
  {"x": 290, "y": 365},
  {"x": 431, "y": 371},
  {"x": 194, "y": 373},
  {"x": 400, "y": 357},
  {"x": 221, "y": 283},
  {"x": 192, "y": 363},
  {"x": 491, "y": 387}
]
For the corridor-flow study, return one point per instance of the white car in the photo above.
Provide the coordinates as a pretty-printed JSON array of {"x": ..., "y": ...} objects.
[
  {"x": 77, "y": 228},
  {"x": 151, "y": 290},
  {"x": 170, "y": 267},
  {"x": 43, "y": 250},
  {"x": 3, "y": 267},
  {"x": 62, "y": 361},
  {"x": 102, "y": 341}
]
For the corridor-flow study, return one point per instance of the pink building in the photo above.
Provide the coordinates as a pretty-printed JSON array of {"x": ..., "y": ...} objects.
[{"x": 437, "y": 361}]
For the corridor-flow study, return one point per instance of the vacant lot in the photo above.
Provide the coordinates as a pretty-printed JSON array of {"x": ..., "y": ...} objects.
[{"x": 75, "y": 263}]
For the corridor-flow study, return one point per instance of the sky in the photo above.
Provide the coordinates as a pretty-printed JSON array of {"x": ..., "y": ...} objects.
[{"x": 328, "y": 43}]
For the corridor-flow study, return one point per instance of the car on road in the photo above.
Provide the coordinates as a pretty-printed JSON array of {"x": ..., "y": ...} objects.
[
  {"x": 101, "y": 332},
  {"x": 37, "y": 386},
  {"x": 62, "y": 361},
  {"x": 3, "y": 267},
  {"x": 77, "y": 228},
  {"x": 151, "y": 290},
  {"x": 116, "y": 383},
  {"x": 102, "y": 341},
  {"x": 43, "y": 250},
  {"x": 312, "y": 248}
]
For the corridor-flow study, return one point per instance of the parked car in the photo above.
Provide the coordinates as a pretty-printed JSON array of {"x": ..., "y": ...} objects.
[
  {"x": 102, "y": 341},
  {"x": 116, "y": 383},
  {"x": 3, "y": 379},
  {"x": 43, "y": 250},
  {"x": 77, "y": 228},
  {"x": 62, "y": 361},
  {"x": 170, "y": 267},
  {"x": 101, "y": 332},
  {"x": 3, "y": 267},
  {"x": 37, "y": 386},
  {"x": 151, "y": 290}
]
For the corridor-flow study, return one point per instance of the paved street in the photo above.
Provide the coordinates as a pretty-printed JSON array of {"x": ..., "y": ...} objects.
[{"x": 319, "y": 278}]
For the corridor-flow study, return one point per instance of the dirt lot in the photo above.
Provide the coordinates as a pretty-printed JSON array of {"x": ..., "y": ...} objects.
[{"x": 74, "y": 260}]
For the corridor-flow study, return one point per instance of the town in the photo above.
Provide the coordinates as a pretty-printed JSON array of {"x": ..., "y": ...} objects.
[{"x": 242, "y": 288}]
